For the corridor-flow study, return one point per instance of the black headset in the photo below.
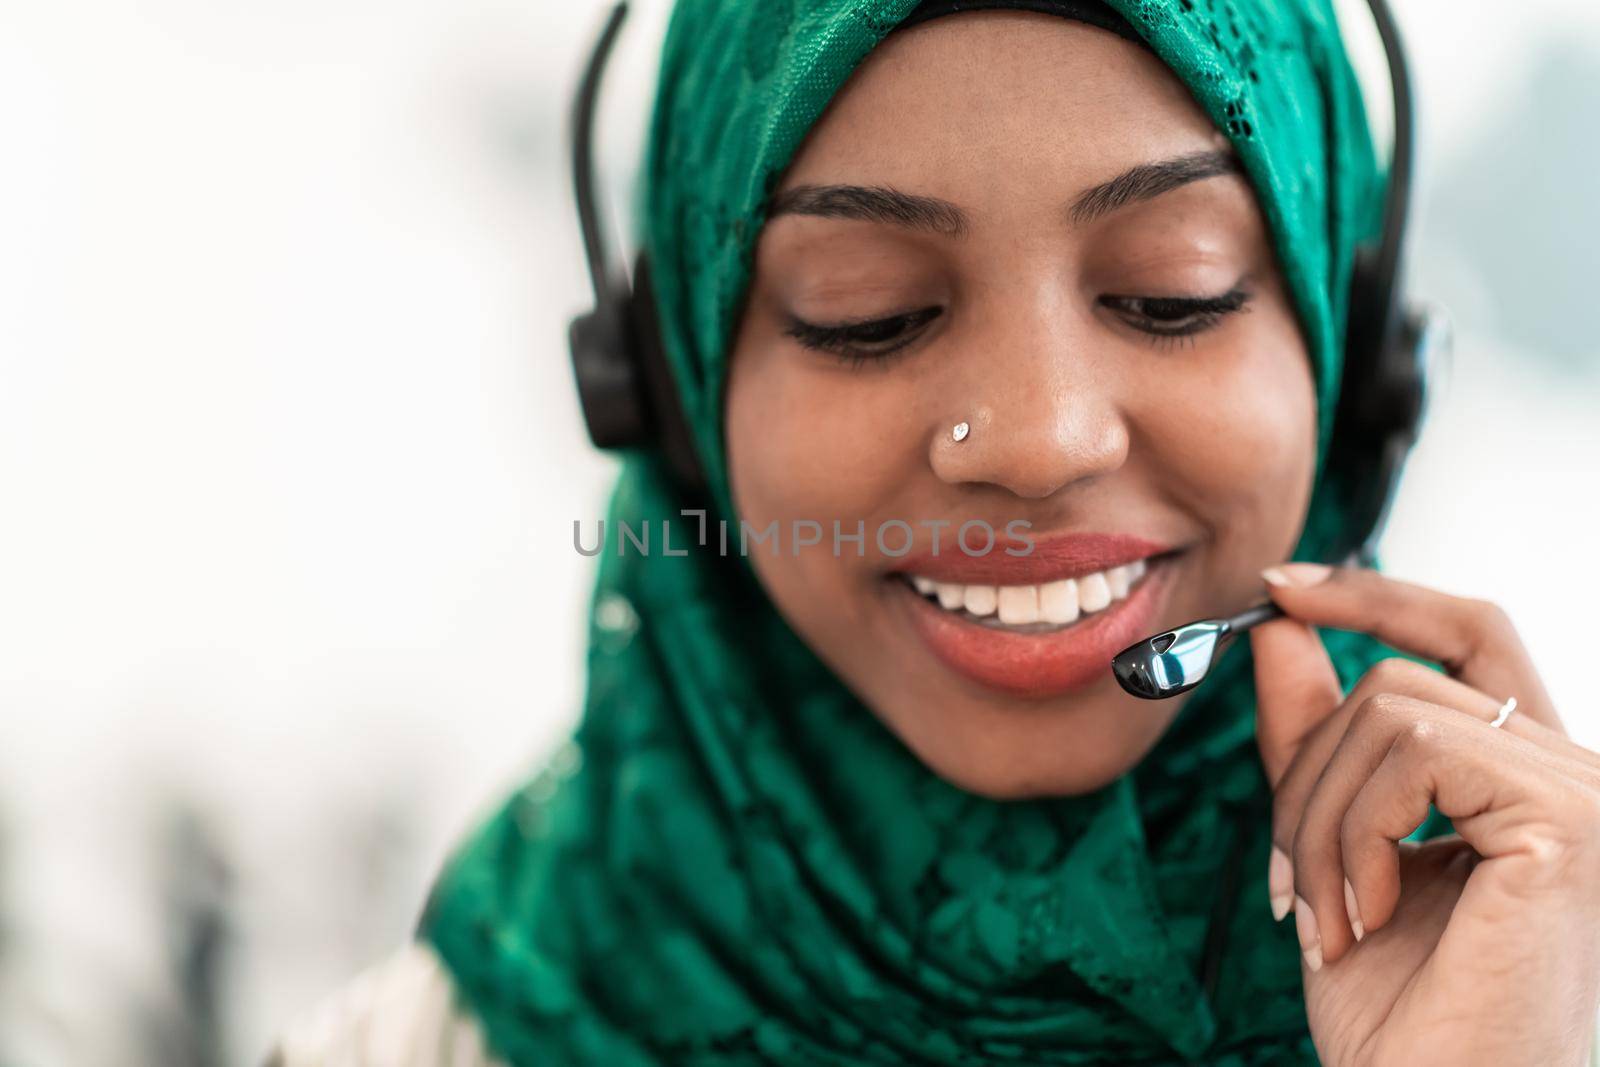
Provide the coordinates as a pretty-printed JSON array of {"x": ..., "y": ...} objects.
[{"x": 629, "y": 401}]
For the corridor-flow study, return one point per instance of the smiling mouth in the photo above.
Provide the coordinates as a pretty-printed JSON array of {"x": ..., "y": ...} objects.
[
  {"x": 1045, "y": 638},
  {"x": 1043, "y": 608}
]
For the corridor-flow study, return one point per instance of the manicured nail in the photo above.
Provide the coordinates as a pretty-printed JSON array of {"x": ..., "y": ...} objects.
[
  {"x": 1305, "y": 925},
  {"x": 1296, "y": 575},
  {"x": 1353, "y": 910},
  {"x": 1280, "y": 883}
]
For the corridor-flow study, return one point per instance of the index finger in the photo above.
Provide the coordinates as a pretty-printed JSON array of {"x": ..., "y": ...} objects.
[
  {"x": 1296, "y": 688},
  {"x": 1472, "y": 639}
]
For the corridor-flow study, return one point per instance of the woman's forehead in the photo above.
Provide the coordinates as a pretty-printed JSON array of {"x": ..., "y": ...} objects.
[{"x": 1037, "y": 93}]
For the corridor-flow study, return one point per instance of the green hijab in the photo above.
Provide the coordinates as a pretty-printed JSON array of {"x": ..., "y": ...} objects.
[{"x": 734, "y": 862}]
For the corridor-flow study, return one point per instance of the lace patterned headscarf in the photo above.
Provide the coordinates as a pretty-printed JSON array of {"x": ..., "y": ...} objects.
[{"x": 735, "y": 862}]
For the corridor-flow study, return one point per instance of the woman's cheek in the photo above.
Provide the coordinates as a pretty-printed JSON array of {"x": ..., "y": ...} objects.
[
  {"x": 815, "y": 442},
  {"x": 807, "y": 446},
  {"x": 1244, "y": 450}
]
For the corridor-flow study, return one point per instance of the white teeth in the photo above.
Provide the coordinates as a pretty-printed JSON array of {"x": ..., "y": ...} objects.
[
  {"x": 981, "y": 600},
  {"x": 1094, "y": 592},
  {"x": 1019, "y": 604},
  {"x": 1058, "y": 603},
  {"x": 1117, "y": 579}
]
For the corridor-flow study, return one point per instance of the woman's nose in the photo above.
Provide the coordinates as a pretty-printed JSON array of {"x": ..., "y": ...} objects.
[{"x": 1036, "y": 424}]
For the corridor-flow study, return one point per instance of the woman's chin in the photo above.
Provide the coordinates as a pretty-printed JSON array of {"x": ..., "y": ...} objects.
[
  {"x": 1016, "y": 713},
  {"x": 1023, "y": 751}
]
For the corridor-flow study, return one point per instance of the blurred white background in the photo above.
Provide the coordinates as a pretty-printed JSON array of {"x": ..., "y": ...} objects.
[{"x": 289, "y": 457}]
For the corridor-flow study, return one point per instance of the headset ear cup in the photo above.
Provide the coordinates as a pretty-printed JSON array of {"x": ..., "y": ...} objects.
[
  {"x": 1380, "y": 419},
  {"x": 1356, "y": 454},
  {"x": 1367, "y": 319},
  {"x": 1426, "y": 342},
  {"x": 608, "y": 382},
  {"x": 669, "y": 422}
]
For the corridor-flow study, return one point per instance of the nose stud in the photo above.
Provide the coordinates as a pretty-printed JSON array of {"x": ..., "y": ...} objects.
[{"x": 959, "y": 433}]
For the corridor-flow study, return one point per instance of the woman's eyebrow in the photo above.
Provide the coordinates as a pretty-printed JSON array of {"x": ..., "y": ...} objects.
[
  {"x": 871, "y": 203},
  {"x": 877, "y": 203},
  {"x": 1149, "y": 180}
]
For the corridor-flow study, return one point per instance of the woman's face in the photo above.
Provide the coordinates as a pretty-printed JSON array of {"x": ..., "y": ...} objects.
[{"x": 1024, "y": 224}]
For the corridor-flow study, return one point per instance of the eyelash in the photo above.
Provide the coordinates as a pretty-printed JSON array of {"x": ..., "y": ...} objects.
[
  {"x": 1169, "y": 320},
  {"x": 1172, "y": 320},
  {"x": 846, "y": 339}
]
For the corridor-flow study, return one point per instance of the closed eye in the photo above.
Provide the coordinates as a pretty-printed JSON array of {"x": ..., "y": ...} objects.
[
  {"x": 1175, "y": 316},
  {"x": 1162, "y": 317},
  {"x": 865, "y": 340}
]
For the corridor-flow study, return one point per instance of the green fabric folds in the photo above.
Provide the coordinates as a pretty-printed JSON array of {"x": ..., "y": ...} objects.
[{"x": 734, "y": 863}]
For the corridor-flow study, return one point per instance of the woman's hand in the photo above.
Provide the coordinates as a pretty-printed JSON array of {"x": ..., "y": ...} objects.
[{"x": 1479, "y": 948}]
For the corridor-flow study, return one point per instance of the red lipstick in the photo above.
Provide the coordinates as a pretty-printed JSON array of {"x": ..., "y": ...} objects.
[
  {"x": 1049, "y": 662},
  {"x": 1050, "y": 559}
]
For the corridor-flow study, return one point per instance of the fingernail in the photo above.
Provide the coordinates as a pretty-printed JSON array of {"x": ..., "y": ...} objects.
[
  {"x": 1351, "y": 909},
  {"x": 1296, "y": 575},
  {"x": 1305, "y": 925},
  {"x": 1280, "y": 883}
]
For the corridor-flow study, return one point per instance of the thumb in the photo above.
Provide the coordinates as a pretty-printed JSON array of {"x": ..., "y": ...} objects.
[{"x": 1296, "y": 688}]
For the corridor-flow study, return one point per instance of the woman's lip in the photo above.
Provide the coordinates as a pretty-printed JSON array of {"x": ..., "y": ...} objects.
[
  {"x": 1051, "y": 559},
  {"x": 1042, "y": 664}
]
